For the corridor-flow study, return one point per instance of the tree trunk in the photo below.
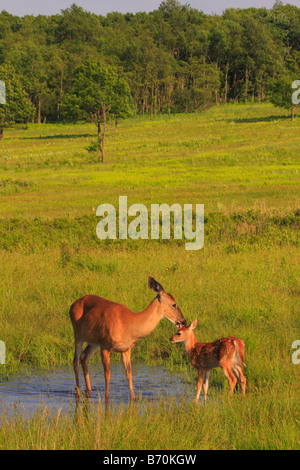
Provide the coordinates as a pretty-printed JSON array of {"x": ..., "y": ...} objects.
[
  {"x": 39, "y": 111},
  {"x": 1, "y": 133},
  {"x": 293, "y": 114},
  {"x": 60, "y": 93},
  {"x": 152, "y": 95},
  {"x": 226, "y": 83},
  {"x": 100, "y": 140},
  {"x": 101, "y": 136},
  {"x": 259, "y": 94},
  {"x": 155, "y": 100},
  {"x": 234, "y": 88},
  {"x": 61, "y": 82},
  {"x": 246, "y": 85},
  {"x": 217, "y": 96}
]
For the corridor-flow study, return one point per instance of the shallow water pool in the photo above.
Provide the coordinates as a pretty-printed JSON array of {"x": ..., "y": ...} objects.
[{"x": 56, "y": 389}]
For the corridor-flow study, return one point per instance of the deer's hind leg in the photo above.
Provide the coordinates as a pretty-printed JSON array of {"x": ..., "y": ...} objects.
[
  {"x": 232, "y": 380},
  {"x": 238, "y": 370},
  {"x": 84, "y": 359},
  {"x": 106, "y": 366},
  {"x": 78, "y": 347}
]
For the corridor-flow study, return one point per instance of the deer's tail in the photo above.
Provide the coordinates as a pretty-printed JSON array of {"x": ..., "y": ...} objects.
[{"x": 76, "y": 310}]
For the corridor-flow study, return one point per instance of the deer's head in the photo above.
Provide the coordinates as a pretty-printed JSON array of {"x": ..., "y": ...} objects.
[
  {"x": 184, "y": 333},
  {"x": 168, "y": 304}
]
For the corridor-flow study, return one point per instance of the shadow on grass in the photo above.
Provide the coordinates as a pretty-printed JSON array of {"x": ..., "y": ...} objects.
[
  {"x": 263, "y": 119},
  {"x": 58, "y": 136}
]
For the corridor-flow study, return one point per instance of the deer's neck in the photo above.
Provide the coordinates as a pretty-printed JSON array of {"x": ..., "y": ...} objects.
[
  {"x": 190, "y": 343},
  {"x": 147, "y": 320}
]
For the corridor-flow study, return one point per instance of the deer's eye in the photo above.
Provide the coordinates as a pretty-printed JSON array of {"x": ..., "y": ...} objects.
[
  {"x": 178, "y": 334},
  {"x": 174, "y": 305}
]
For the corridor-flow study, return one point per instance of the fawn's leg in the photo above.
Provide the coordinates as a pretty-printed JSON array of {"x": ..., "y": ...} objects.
[
  {"x": 241, "y": 378},
  {"x": 205, "y": 384},
  {"x": 230, "y": 376},
  {"x": 199, "y": 383}
]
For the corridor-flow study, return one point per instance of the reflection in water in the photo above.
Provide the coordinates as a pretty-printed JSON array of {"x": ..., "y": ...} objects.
[{"x": 56, "y": 389}]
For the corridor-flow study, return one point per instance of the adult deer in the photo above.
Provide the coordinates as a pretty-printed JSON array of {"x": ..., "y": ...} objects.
[
  {"x": 114, "y": 328},
  {"x": 227, "y": 353}
]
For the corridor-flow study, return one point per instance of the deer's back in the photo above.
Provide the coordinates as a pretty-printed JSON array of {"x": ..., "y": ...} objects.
[
  {"x": 211, "y": 355},
  {"x": 99, "y": 321}
]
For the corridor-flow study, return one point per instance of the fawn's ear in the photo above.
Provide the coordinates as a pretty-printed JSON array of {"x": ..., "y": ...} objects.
[
  {"x": 194, "y": 324},
  {"x": 155, "y": 286}
]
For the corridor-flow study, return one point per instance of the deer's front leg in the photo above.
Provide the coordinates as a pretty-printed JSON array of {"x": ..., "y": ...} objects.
[
  {"x": 106, "y": 367},
  {"x": 127, "y": 366},
  {"x": 199, "y": 383}
]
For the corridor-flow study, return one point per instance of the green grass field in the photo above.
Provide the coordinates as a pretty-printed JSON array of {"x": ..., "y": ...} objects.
[
  {"x": 242, "y": 163},
  {"x": 230, "y": 158}
]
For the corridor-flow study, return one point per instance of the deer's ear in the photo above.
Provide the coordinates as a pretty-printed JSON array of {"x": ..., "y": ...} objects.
[
  {"x": 155, "y": 286},
  {"x": 194, "y": 324}
]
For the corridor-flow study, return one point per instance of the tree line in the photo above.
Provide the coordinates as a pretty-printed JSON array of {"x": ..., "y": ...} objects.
[{"x": 173, "y": 59}]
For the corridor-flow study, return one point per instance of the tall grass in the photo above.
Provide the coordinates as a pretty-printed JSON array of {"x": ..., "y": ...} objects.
[{"x": 263, "y": 420}]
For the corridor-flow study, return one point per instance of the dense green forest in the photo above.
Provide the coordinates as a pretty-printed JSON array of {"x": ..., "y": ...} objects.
[{"x": 174, "y": 59}]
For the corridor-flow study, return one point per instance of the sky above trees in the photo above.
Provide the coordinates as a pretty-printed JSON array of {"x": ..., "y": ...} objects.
[{"x": 44, "y": 7}]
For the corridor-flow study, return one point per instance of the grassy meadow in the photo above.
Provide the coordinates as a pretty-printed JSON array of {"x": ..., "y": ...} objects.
[{"x": 242, "y": 163}]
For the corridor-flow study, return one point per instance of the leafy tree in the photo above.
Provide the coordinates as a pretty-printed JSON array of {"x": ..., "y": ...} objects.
[
  {"x": 34, "y": 67},
  {"x": 175, "y": 58},
  {"x": 17, "y": 107},
  {"x": 225, "y": 49},
  {"x": 206, "y": 83},
  {"x": 98, "y": 94},
  {"x": 281, "y": 90},
  {"x": 281, "y": 94}
]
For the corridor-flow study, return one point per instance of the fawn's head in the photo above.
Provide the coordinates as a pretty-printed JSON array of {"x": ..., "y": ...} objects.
[
  {"x": 168, "y": 304},
  {"x": 184, "y": 333}
]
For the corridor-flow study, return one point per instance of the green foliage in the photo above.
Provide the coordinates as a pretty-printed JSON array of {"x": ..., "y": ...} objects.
[
  {"x": 101, "y": 92},
  {"x": 17, "y": 108},
  {"x": 98, "y": 94},
  {"x": 93, "y": 147},
  {"x": 238, "y": 232},
  {"x": 174, "y": 59},
  {"x": 9, "y": 185},
  {"x": 282, "y": 92},
  {"x": 281, "y": 89}
]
